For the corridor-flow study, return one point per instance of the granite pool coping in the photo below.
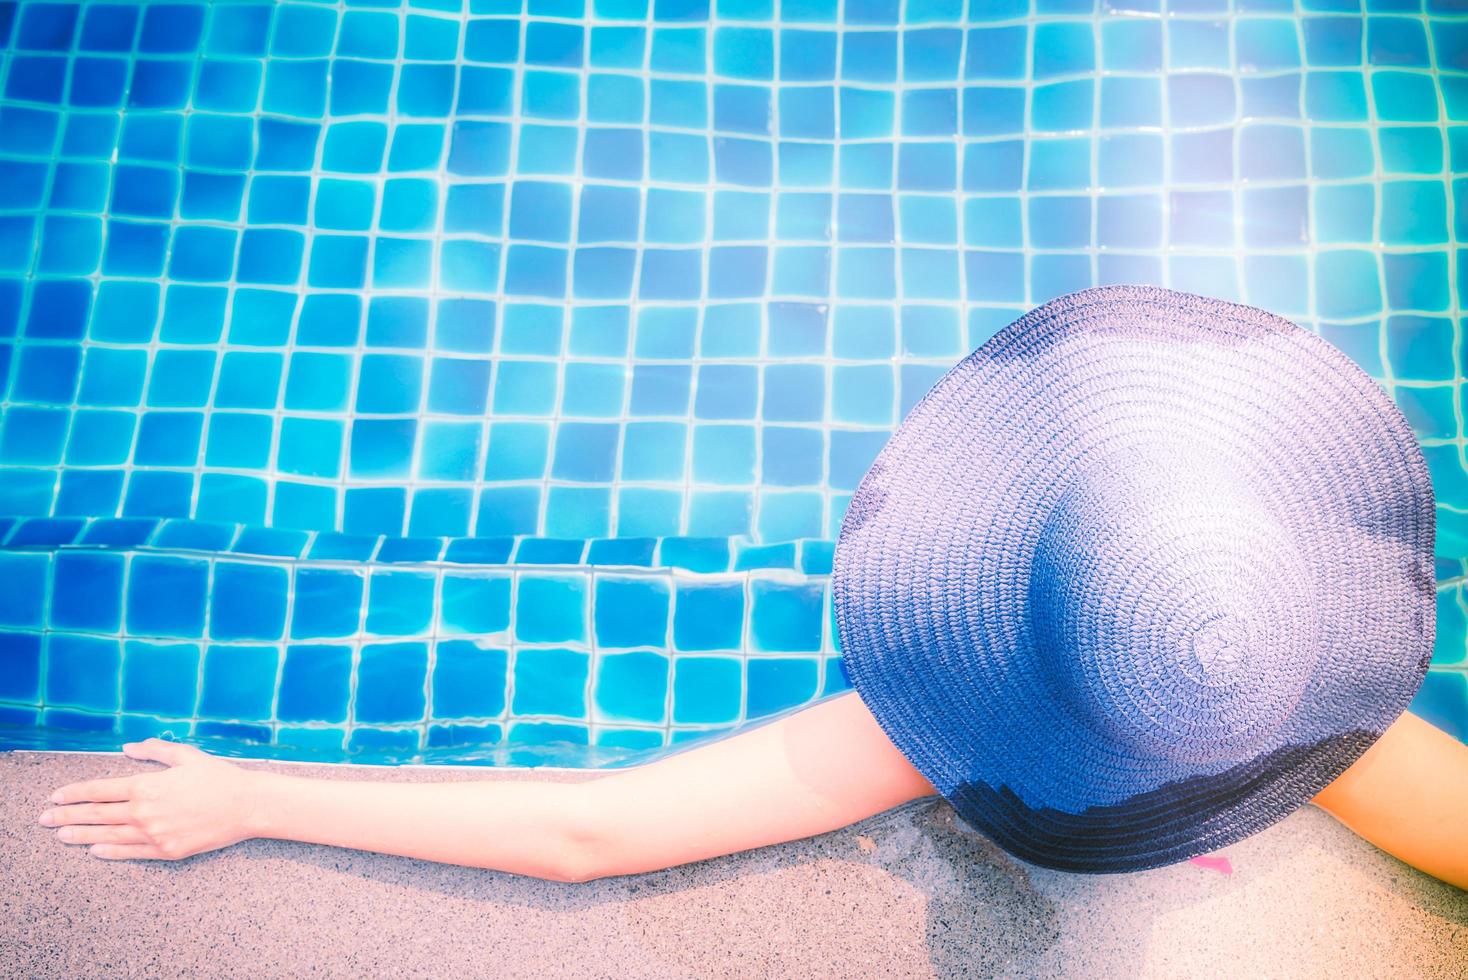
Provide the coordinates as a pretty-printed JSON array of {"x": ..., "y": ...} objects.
[{"x": 911, "y": 892}]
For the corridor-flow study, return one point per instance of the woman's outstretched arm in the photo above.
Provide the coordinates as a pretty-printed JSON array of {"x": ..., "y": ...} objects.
[
  {"x": 815, "y": 770},
  {"x": 802, "y": 774}
]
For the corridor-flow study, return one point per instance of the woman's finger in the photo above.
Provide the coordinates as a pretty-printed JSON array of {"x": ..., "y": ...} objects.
[
  {"x": 116, "y": 833},
  {"x": 123, "y": 852},
  {"x": 96, "y": 790},
  {"x": 87, "y": 813},
  {"x": 157, "y": 750}
]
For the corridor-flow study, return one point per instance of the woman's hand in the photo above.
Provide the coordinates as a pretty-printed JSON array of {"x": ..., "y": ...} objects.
[{"x": 200, "y": 803}]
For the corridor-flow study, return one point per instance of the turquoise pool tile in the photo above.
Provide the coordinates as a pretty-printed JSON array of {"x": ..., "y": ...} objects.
[
  {"x": 550, "y": 608},
  {"x": 631, "y": 611},
  {"x": 508, "y": 511},
  {"x": 778, "y": 683},
  {"x": 382, "y": 448},
  {"x": 158, "y": 494},
  {"x": 44, "y": 532},
  {"x": 88, "y": 492},
  {"x": 724, "y": 454},
  {"x": 450, "y": 450},
  {"x": 654, "y": 451},
  {"x": 248, "y": 601},
  {"x": 1277, "y": 217},
  {"x": 474, "y": 604},
  {"x": 109, "y": 28},
  {"x": 441, "y": 511},
  {"x": 1451, "y": 646},
  {"x": 1416, "y": 280},
  {"x": 550, "y": 550},
  {"x": 928, "y": 219},
  {"x": 585, "y": 451},
  {"x": 47, "y": 375},
  {"x": 540, "y": 737},
  {"x": 1266, "y": 43},
  {"x": 706, "y": 690},
  {"x": 83, "y": 672},
  {"x": 399, "y": 603},
  {"x": 247, "y": 379},
  {"x": 1397, "y": 41},
  {"x": 1199, "y": 44},
  {"x": 789, "y": 514},
  {"x": 1343, "y": 213},
  {"x": 468, "y": 680},
  {"x": 166, "y": 596},
  {"x": 836, "y": 679},
  {"x": 1428, "y": 410},
  {"x": 648, "y": 512},
  {"x": 621, "y": 551},
  {"x": 791, "y": 456},
  {"x": 308, "y": 743},
  {"x": 931, "y": 331},
  {"x": 599, "y": 331},
  {"x": 239, "y": 682},
  {"x": 750, "y": 556},
  {"x": 1410, "y": 149},
  {"x": 160, "y": 678},
  {"x": 298, "y": 505},
  {"x": 1279, "y": 282},
  {"x": 390, "y": 683},
  {"x": 1332, "y": 41},
  {"x": 708, "y": 616},
  {"x": 253, "y": 735},
  {"x": 327, "y": 603},
  {"x": 695, "y": 554},
  {"x": 1402, "y": 96},
  {"x": 315, "y": 683},
  {"x": 469, "y": 736},
  {"x": 1413, "y": 212},
  {"x": 1126, "y": 102},
  {"x": 1337, "y": 96},
  {"x": 1272, "y": 152},
  {"x": 628, "y": 738},
  {"x": 631, "y": 687},
  {"x": 550, "y": 681},
  {"x": 431, "y": 38},
  {"x": 387, "y": 740},
  {"x": 225, "y": 85},
  {"x": 719, "y": 513},
  {"x": 1271, "y": 96},
  {"x": 1348, "y": 283},
  {"x": 1420, "y": 348},
  {"x": 79, "y": 721},
  {"x": 862, "y": 394},
  {"x": 869, "y": 56},
  {"x": 785, "y": 618}
]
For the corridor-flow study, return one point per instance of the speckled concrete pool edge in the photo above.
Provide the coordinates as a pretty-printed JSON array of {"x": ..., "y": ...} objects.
[{"x": 908, "y": 893}]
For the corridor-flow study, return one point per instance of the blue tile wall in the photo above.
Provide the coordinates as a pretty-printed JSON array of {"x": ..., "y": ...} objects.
[
  {"x": 498, "y": 651},
  {"x": 374, "y": 306}
]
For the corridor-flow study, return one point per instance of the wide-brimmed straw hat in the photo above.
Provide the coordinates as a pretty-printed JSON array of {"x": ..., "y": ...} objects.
[{"x": 1139, "y": 577}]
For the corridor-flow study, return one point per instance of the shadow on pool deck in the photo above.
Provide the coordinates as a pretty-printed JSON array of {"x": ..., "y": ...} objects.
[{"x": 911, "y": 892}]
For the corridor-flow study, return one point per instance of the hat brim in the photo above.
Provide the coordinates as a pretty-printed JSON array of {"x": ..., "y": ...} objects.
[{"x": 933, "y": 558}]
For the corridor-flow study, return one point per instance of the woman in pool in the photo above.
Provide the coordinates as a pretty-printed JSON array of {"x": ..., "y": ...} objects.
[{"x": 1140, "y": 577}]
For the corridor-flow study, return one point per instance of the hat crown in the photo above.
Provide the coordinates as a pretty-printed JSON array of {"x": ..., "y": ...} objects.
[{"x": 1174, "y": 614}]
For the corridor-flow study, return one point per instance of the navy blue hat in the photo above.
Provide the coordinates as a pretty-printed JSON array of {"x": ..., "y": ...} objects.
[{"x": 1139, "y": 577}]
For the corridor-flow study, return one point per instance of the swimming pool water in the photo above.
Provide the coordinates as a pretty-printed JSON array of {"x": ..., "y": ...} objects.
[{"x": 485, "y": 381}]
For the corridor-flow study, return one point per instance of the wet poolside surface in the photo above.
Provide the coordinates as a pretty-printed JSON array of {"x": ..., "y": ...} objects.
[{"x": 908, "y": 893}]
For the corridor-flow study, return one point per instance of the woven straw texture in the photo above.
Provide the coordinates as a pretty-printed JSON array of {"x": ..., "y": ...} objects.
[{"x": 1139, "y": 577}]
